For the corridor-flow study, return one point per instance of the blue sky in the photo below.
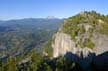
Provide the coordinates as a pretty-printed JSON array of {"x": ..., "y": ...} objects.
[{"x": 17, "y": 9}]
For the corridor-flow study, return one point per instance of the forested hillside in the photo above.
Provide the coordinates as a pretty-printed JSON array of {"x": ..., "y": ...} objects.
[{"x": 19, "y": 37}]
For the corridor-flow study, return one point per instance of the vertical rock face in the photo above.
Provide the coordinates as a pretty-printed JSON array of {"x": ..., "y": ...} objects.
[
  {"x": 63, "y": 44},
  {"x": 101, "y": 43},
  {"x": 80, "y": 38}
]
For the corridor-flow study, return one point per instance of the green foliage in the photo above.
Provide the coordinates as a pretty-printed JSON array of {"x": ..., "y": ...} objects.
[
  {"x": 63, "y": 65},
  {"x": 48, "y": 48},
  {"x": 75, "y": 26},
  {"x": 39, "y": 63},
  {"x": 104, "y": 29},
  {"x": 78, "y": 19},
  {"x": 87, "y": 43},
  {"x": 60, "y": 65},
  {"x": 43, "y": 66},
  {"x": 71, "y": 26},
  {"x": 36, "y": 59},
  {"x": 10, "y": 65},
  {"x": 94, "y": 22},
  {"x": 81, "y": 29}
]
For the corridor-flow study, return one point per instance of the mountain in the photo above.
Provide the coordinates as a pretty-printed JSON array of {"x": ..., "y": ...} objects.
[
  {"x": 82, "y": 38},
  {"x": 85, "y": 30},
  {"x": 18, "y": 37},
  {"x": 51, "y": 17},
  {"x": 80, "y": 44},
  {"x": 39, "y": 23}
]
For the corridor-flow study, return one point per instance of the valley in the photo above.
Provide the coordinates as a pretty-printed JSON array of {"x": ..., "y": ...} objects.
[{"x": 78, "y": 43}]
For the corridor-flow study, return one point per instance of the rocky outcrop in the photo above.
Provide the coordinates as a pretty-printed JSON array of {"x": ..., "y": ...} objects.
[
  {"x": 82, "y": 38},
  {"x": 101, "y": 43},
  {"x": 63, "y": 44}
]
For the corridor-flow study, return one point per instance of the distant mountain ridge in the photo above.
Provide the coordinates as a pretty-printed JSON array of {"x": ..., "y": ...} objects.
[
  {"x": 51, "y": 17},
  {"x": 33, "y": 22}
]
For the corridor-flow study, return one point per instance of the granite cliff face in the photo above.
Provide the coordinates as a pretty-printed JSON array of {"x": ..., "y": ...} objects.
[
  {"x": 63, "y": 44},
  {"x": 101, "y": 43},
  {"x": 85, "y": 36},
  {"x": 86, "y": 30}
]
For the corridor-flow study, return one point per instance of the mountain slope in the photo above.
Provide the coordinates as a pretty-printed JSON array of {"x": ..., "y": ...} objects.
[
  {"x": 82, "y": 39},
  {"x": 18, "y": 37},
  {"x": 72, "y": 48},
  {"x": 85, "y": 30}
]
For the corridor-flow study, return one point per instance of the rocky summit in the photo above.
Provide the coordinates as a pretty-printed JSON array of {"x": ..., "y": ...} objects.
[
  {"x": 85, "y": 30},
  {"x": 85, "y": 36}
]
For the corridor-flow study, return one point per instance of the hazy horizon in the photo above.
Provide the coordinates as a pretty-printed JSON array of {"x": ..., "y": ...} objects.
[{"x": 19, "y": 9}]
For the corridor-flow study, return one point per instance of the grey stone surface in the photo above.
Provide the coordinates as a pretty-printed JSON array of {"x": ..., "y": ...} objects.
[
  {"x": 101, "y": 43},
  {"x": 63, "y": 44}
]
